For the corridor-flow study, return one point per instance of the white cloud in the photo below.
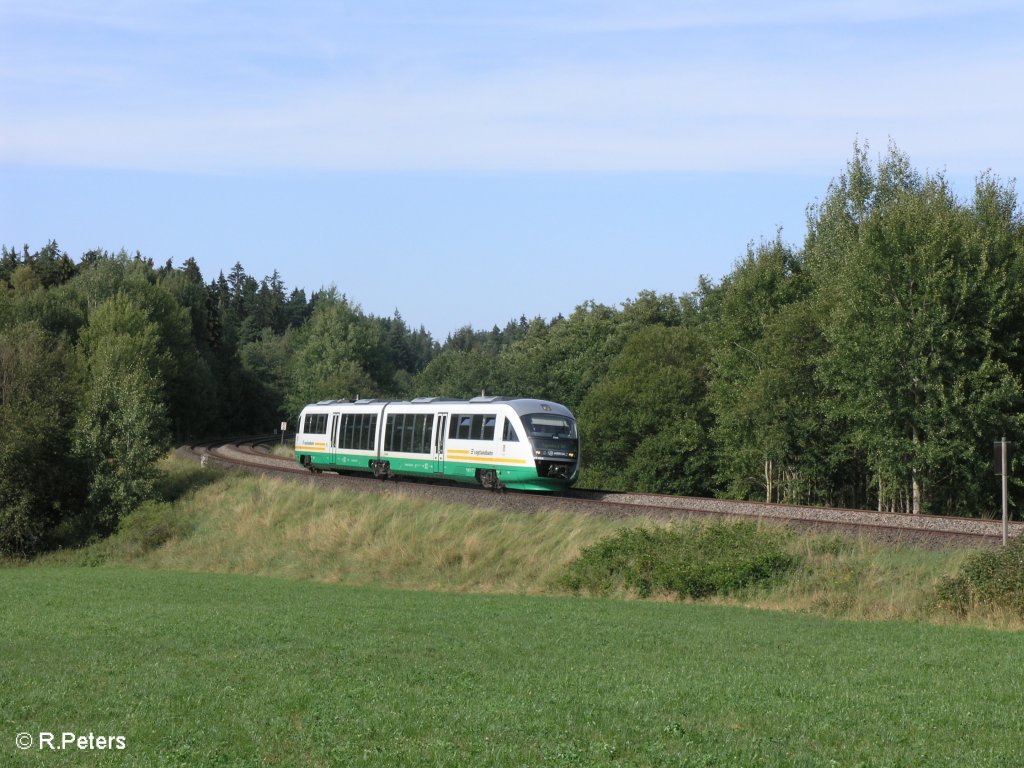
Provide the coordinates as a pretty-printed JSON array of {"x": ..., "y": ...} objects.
[
  {"x": 297, "y": 99},
  {"x": 667, "y": 15}
]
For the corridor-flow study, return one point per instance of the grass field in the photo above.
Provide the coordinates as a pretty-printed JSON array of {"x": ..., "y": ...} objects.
[
  {"x": 254, "y": 622},
  {"x": 201, "y": 669}
]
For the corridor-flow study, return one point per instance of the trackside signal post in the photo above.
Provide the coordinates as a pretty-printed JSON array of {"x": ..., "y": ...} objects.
[{"x": 1002, "y": 451}]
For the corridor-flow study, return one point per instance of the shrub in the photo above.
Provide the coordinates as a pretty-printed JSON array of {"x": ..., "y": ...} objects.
[
  {"x": 692, "y": 561},
  {"x": 987, "y": 580},
  {"x": 149, "y": 526}
]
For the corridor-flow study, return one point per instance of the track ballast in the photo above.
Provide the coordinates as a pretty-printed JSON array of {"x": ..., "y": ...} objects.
[{"x": 931, "y": 531}]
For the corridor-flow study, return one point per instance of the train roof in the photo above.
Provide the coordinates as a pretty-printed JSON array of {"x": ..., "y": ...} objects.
[{"x": 521, "y": 405}]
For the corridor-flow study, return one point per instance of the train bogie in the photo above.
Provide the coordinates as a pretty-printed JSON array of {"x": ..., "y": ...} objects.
[{"x": 494, "y": 442}]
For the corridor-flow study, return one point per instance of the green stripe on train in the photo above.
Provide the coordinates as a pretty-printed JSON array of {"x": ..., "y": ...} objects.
[{"x": 518, "y": 478}]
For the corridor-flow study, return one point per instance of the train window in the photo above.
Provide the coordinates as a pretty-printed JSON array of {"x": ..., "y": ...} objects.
[
  {"x": 477, "y": 427},
  {"x": 424, "y": 429},
  {"x": 460, "y": 427},
  {"x": 550, "y": 425},
  {"x": 368, "y": 432},
  {"x": 408, "y": 432},
  {"x": 509, "y": 434},
  {"x": 315, "y": 424},
  {"x": 389, "y": 441},
  {"x": 357, "y": 431}
]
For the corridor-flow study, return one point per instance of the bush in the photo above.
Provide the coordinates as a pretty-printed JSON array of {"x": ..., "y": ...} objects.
[
  {"x": 149, "y": 526},
  {"x": 692, "y": 561},
  {"x": 987, "y": 580}
]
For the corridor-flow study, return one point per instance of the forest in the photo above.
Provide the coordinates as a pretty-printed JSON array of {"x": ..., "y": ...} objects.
[{"x": 872, "y": 366}]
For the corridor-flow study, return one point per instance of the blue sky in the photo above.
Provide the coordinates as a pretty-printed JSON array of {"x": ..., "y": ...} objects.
[{"x": 468, "y": 162}]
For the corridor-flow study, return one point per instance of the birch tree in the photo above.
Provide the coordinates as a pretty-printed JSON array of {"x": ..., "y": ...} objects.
[{"x": 920, "y": 291}]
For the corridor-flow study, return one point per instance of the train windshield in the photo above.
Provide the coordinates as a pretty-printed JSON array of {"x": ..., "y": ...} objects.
[{"x": 549, "y": 426}]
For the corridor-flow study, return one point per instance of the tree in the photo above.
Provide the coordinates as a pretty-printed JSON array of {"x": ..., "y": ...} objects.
[
  {"x": 459, "y": 373},
  {"x": 25, "y": 280},
  {"x": 644, "y": 425},
  {"x": 39, "y": 488},
  {"x": 121, "y": 429},
  {"x": 561, "y": 360},
  {"x": 297, "y": 309},
  {"x": 765, "y": 344},
  {"x": 266, "y": 361},
  {"x": 339, "y": 354},
  {"x": 185, "y": 369},
  {"x": 921, "y": 358},
  {"x": 269, "y": 305}
]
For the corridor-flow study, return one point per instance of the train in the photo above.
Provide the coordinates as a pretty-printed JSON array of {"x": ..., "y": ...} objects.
[{"x": 492, "y": 441}]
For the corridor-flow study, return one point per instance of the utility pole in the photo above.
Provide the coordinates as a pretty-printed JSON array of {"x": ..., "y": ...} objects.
[
  {"x": 1006, "y": 476},
  {"x": 1001, "y": 464}
]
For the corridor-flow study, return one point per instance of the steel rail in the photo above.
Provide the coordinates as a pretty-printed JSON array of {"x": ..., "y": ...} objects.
[{"x": 250, "y": 452}]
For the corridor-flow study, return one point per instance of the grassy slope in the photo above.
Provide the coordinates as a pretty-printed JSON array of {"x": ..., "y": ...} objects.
[
  {"x": 240, "y": 523},
  {"x": 205, "y": 669}
]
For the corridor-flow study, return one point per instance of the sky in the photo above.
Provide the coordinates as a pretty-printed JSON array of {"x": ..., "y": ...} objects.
[{"x": 467, "y": 162}]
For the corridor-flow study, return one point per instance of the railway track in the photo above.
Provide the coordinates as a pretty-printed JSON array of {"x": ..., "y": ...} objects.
[{"x": 253, "y": 454}]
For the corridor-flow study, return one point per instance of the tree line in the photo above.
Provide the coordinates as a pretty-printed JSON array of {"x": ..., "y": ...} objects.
[{"x": 871, "y": 367}]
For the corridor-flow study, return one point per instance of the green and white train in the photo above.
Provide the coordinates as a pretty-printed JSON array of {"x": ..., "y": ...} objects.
[{"x": 497, "y": 442}]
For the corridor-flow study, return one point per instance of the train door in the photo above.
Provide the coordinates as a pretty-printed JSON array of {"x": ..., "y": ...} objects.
[
  {"x": 509, "y": 439},
  {"x": 335, "y": 436},
  {"x": 440, "y": 432}
]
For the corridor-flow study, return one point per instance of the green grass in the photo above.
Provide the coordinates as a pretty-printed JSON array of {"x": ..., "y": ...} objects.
[
  {"x": 203, "y": 669},
  {"x": 222, "y": 667}
]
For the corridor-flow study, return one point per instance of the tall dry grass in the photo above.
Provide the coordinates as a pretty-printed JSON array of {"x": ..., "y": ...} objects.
[
  {"x": 246, "y": 524},
  {"x": 860, "y": 579},
  {"x": 258, "y": 525}
]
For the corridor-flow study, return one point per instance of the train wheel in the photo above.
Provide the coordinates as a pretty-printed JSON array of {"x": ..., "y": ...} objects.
[{"x": 488, "y": 478}]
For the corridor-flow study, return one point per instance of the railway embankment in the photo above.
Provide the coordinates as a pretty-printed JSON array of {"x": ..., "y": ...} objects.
[
  {"x": 928, "y": 531},
  {"x": 327, "y": 529}
]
